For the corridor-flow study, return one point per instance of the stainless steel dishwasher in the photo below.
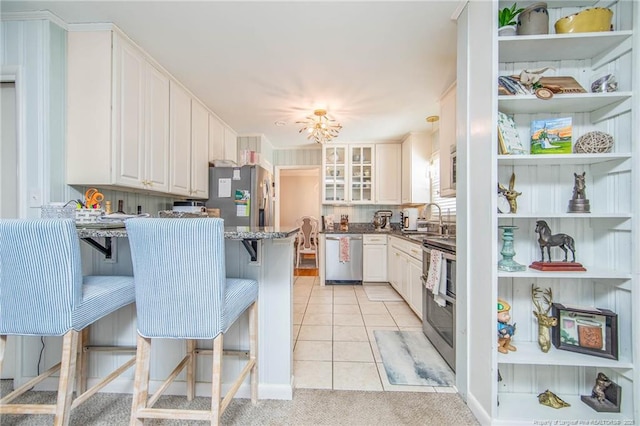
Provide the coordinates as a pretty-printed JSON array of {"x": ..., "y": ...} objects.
[{"x": 339, "y": 270}]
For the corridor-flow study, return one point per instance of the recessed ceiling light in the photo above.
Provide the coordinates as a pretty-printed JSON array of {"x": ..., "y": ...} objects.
[{"x": 280, "y": 123}]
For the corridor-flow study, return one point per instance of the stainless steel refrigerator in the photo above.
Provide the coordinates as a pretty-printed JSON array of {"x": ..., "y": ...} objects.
[{"x": 244, "y": 195}]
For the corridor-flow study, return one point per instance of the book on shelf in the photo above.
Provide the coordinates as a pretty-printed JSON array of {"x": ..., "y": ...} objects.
[
  {"x": 551, "y": 136},
  {"x": 508, "y": 138}
]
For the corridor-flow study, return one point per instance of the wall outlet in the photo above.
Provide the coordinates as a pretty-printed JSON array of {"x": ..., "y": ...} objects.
[{"x": 35, "y": 197}]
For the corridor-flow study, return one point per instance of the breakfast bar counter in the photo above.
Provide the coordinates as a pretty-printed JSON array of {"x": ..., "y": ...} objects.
[{"x": 265, "y": 254}]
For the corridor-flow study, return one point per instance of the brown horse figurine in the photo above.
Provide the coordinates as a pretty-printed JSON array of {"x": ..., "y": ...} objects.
[{"x": 547, "y": 240}]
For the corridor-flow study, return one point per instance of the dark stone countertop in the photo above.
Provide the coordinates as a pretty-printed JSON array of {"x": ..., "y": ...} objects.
[
  {"x": 230, "y": 232},
  {"x": 368, "y": 228}
]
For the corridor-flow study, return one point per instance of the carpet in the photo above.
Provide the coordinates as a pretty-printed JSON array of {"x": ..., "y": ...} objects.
[
  {"x": 410, "y": 359},
  {"x": 380, "y": 292},
  {"x": 308, "y": 407}
]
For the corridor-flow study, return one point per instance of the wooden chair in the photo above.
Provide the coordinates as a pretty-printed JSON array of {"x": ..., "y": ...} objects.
[
  {"x": 307, "y": 238},
  {"x": 182, "y": 292},
  {"x": 43, "y": 293}
]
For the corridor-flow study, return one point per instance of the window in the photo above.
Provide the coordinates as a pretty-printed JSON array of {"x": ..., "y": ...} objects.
[{"x": 448, "y": 205}]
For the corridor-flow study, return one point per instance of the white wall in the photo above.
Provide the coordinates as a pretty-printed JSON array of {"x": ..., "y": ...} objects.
[{"x": 299, "y": 195}]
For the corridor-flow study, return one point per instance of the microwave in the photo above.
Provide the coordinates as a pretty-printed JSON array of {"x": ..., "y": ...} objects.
[{"x": 453, "y": 166}]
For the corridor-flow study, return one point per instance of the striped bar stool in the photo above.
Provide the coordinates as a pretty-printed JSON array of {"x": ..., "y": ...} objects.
[
  {"x": 43, "y": 293},
  {"x": 182, "y": 292}
]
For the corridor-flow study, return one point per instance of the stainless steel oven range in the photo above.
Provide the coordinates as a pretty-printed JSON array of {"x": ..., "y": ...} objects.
[{"x": 439, "y": 322}]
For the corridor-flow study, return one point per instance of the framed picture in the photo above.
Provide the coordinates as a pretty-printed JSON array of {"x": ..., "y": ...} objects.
[
  {"x": 590, "y": 331},
  {"x": 551, "y": 136},
  {"x": 508, "y": 138}
]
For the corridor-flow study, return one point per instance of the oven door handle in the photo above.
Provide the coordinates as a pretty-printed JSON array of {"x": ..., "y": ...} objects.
[
  {"x": 449, "y": 299},
  {"x": 446, "y": 255}
]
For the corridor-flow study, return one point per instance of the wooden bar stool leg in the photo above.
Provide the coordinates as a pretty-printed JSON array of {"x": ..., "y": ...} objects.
[
  {"x": 141, "y": 385},
  {"x": 67, "y": 373},
  {"x": 216, "y": 379},
  {"x": 191, "y": 369},
  {"x": 83, "y": 361},
  {"x": 253, "y": 350}
]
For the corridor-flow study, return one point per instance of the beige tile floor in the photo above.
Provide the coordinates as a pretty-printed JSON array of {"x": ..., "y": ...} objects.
[{"x": 334, "y": 344}]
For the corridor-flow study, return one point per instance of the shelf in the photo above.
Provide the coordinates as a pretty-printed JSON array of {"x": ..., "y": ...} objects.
[
  {"x": 551, "y": 4},
  {"x": 555, "y": 215},
  {"x": 590, "y": 273},
  {"x": 529, "y": 353},
  {"x": 559, "y": 159},
  {"x": 549, "y": 47},
  {"x": 565, "y": 103},
  {"x": 524, "y": 407}
]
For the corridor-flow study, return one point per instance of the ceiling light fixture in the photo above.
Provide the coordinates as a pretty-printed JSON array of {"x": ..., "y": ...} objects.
[{"x": 320, "y": 127}]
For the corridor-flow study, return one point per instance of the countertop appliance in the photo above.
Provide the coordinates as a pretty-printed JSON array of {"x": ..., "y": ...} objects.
[
  {"x": 343, "y": 259},
  {"x": 409, "y": 219},
  {"x": 244, "y": 195},
  {"x": 382, "y": 220},
  {"x": 439, "y": 322},
  {"x": 189, "y": 206}
]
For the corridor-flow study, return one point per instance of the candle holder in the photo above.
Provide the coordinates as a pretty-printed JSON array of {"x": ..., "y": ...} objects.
[{"x": 507, "y": 263}]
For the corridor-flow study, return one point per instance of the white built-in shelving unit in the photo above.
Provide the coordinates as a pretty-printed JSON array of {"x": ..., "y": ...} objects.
[{"x": 606, "y": 238}]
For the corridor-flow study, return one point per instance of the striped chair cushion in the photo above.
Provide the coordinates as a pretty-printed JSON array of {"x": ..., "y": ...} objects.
[
  {"x": 179, "y": 272},
  {"x": 102, "y": 295}
]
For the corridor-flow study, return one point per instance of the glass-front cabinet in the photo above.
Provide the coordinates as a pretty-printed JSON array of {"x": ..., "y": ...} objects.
[
  {"x": 334, "y": 173},
  {"x": 347, "y": 174},
  {"x": 361, "y": 173}
]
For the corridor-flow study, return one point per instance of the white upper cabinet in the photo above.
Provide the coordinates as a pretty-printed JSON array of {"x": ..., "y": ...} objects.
[
  {"x": 199, "y": 151},
  {"x": 223, "y": 142},
  {"x": 348, "y": 174},
  {"x": 131, "y": 126},
  {"x": 230, "y": 145},
  {"x": 216, "y": 138},
  {"x": 126, "y": 128},
  {"x": 447, "y": 138},
  {"x": 416, "y": 185},
  {"x": 156, "y": 130},
  {"x": 180, "y": 141},
  {"x": 387, "y": 173}
]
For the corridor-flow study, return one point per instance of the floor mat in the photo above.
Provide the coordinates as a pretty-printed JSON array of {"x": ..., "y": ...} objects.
[
  {"x": 381, "y": 293},
  {"x": 410, "y": 359}
]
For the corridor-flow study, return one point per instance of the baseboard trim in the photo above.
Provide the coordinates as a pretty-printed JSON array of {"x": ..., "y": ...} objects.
[{"x": 481, "y": 414}]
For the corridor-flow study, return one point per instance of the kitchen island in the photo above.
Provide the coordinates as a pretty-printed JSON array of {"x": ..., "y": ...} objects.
[{"x": 264, "y": 254}]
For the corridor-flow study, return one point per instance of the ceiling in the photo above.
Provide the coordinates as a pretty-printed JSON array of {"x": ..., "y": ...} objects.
[{"x": 378, "y": 67}]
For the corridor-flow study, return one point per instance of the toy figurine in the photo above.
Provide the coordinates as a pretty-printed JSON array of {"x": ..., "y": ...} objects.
[
  {"x": 545, "y": 322},
  {"x": 510, "y": 194},
  {"x": 505, "y": 330},
  {"x": 605, "y": 395},
  {"x": 550, "y": 399}
]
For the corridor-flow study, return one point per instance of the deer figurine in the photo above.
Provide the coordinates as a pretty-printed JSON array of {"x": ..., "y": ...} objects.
[
  {"x": 510, "y": 194},
  {"x": 545, "y": 322}
]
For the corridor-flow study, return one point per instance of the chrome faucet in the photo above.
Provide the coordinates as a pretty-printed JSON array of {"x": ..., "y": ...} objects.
[{"x": 440, "y": 225}]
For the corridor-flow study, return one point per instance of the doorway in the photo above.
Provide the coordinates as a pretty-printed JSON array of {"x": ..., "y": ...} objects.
[{"x": 298, "y": 194}]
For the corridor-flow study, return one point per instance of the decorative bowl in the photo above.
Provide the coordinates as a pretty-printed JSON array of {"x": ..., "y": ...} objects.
[{"x": 589, "y": 20}]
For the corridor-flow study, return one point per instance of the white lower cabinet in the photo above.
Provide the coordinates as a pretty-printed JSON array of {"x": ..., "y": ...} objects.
[
  {"x": 414, "y": 286},
  {"x": 374, "y": 258},
  {"x": 405, "y": 271}
]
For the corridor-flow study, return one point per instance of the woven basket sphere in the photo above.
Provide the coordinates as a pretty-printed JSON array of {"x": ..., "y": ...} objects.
[{"x": 593, "y": 143}]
